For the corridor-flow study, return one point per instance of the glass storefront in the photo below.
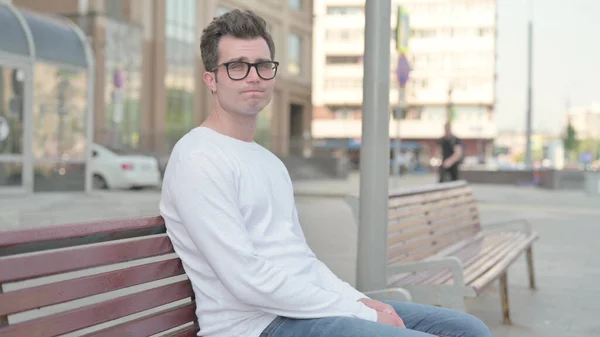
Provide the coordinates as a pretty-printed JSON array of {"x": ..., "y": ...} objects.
[
  {"x": 45, "y": 104},
  {"x": 123, "y": 85},
  {"x": 11, "y": 126},
  {"x": 180, "y": 71},
  {"x": 59, "y": 128}
]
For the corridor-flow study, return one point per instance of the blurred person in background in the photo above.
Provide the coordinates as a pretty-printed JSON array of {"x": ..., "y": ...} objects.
[{"x": 452, "y": 153}]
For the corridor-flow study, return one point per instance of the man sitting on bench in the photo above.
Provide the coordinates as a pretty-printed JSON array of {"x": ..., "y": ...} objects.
[{"x": 229, "y": 209}]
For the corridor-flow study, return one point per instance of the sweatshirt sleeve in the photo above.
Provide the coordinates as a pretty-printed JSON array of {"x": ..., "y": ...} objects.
[
  {"x": 205, "y": 190},
  {"x": 328, "y": 279}
]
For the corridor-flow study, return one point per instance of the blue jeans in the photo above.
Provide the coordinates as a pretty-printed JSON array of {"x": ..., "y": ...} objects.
[{"x": 420, "y": 320}]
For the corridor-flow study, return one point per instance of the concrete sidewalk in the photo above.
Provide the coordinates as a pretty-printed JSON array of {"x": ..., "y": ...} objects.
[{"x": 568, "y": 273}]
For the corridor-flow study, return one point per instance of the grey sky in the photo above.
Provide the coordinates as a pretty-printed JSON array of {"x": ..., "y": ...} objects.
[{"x": 566, "y": 54}]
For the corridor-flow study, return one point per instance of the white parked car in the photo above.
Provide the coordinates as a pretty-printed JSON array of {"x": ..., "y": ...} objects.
[{"x": 113, "y": 169}]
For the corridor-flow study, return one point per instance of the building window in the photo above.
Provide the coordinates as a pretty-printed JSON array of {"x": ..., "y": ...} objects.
[
  {"x": 113, "y": 9},
  {"x": 294, "y": 54},
  {"x": 345, "y": 10},
  {"x": 344, "y": 59},
  {"x": 180, "y": 70},
  {"x": 295, "y": 4},
  {"x": 345, "y": 35},
  {"x": 424, "y": 33},
  {"x": 345, "y": 111}
]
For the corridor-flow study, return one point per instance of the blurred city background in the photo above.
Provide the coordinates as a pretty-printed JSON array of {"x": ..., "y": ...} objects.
[
  {"x": 517, "y": 79},
  {"x": 127, "y": 75}
]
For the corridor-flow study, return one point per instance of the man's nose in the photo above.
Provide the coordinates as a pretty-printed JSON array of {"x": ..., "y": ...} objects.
[{"x": 253, "y": 75}]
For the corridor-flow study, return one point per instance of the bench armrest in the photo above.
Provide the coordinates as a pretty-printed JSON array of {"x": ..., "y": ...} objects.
[
  {"x": 449, "y": 262},
  {"x": 390, "y": 294},
  {"x": 520, "y": 224}
]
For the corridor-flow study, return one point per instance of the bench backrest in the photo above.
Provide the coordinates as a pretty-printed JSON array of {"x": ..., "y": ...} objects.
[
  {"x": 106, "y": 278},
  {"x": 423, "y": 221}
]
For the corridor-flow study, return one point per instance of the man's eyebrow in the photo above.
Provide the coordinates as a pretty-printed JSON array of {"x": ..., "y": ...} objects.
[{"x": 236, "y": 59}]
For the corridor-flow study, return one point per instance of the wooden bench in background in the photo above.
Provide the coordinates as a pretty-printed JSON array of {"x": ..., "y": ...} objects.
[
  {"x": 107, "y": 278},
  {"x": 440, "y": 253}
]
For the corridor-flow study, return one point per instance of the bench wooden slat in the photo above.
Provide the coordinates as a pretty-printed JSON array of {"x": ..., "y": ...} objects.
[
  {"x": 77, "y": 230},
  {"x": 450, "y": 251},
  {"x": 86, "y": 240},
  {"x": 433, "y": 195},
  {"x": 449, "y": 202},
  {"x": 470, "y": 256},
  {"x": 395, "y": 226},
  {"x": 429, "y": 235},
  {"x": 153, "y": 324},
  {"x": 191, "y": 331},
  {"x": 406, "y": 192},
  {"x": 466, "y": 253},
  {"x": 399, "y": 213},
  {"x": 453, "y": 212},
  {"x": 36, "y": 297},
  {"x": 436, "y": 248},
  {"x": 435, "y": 224},
  {"x": 88, "y": 316},
  {"x": 501, "y": 266},
  {"x": 23, "y": 267},
  {"x": 486, "y": 261},
  {"x": 427, "y": 276},
  {"x": 423, "y": 242},
  {"x": 426, "y": 216}
]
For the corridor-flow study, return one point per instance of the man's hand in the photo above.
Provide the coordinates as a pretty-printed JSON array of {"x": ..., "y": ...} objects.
[
  {"x": 385, "y": 313},
  {"x": 447, "y": 163}
]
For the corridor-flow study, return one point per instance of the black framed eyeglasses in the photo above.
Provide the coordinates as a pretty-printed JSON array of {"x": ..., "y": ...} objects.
[{"x": 238, "y": 70}]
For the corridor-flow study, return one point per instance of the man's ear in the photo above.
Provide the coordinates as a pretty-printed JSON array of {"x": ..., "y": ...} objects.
[{"x": 211, "y": 80}]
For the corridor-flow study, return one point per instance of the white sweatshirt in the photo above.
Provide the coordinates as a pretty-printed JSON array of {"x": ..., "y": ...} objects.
[{"x": 230, "y": 213}]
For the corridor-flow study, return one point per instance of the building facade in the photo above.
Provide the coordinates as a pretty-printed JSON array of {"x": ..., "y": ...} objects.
[
  {"x": 148, "y": 78},
  {"x": 451, "y": 52},
  {"x": 586, "y": 121}
]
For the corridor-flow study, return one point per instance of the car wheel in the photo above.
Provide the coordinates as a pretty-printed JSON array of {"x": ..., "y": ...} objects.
[{"x": 99, "y": 182}]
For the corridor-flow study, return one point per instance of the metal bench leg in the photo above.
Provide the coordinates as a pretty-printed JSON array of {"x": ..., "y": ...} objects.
[
  {"x": 530, "y": 267},
  {"x": 504, "y": 298}
]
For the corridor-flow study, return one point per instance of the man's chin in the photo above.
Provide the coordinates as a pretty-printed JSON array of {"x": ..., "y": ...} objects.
[{"x": 256, "y": 106}]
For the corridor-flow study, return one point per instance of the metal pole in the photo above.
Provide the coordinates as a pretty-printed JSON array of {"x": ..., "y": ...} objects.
[
  {"x": 375, "y": 149},
  {"x": 528, "y": 155},
  {"x": 397, "y": 117}
]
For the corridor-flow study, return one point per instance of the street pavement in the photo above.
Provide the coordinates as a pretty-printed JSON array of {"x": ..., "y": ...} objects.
[{"x": 567, "y": 302}]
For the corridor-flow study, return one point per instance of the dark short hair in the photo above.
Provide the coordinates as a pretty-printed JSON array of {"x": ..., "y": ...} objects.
[{"x": 240, "y": 24}]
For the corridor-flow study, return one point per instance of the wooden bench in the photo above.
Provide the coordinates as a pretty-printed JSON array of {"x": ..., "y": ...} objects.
[
  {"x": 440, "y": 253},
  {"x": 107, "y": 278}
]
